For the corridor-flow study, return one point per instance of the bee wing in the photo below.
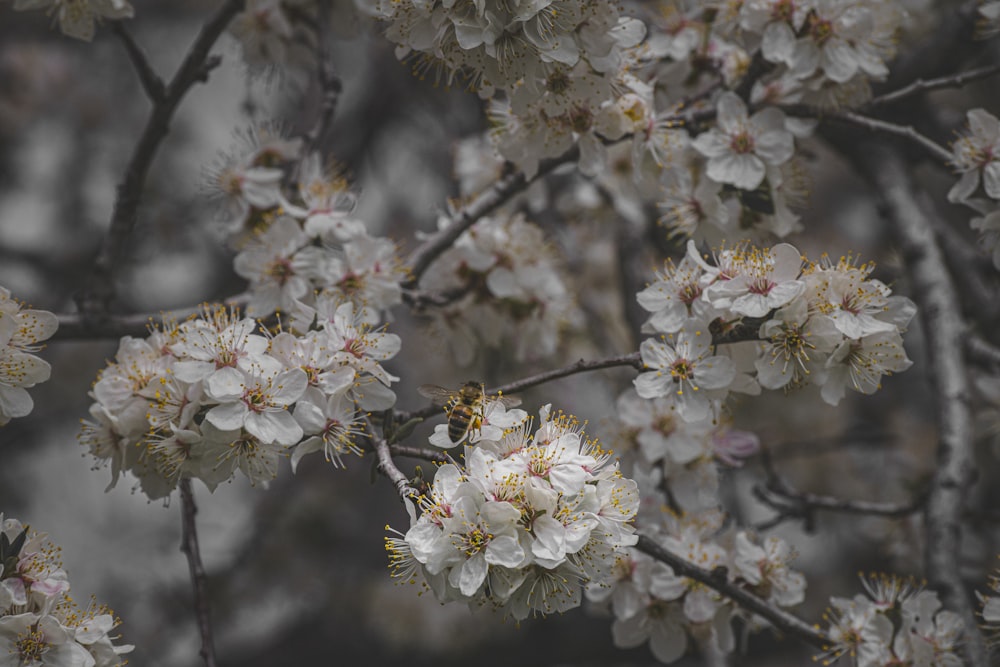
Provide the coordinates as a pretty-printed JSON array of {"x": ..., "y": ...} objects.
[
  {"x": 507, "y": 401},
  {"x": 437, "y": 394}
]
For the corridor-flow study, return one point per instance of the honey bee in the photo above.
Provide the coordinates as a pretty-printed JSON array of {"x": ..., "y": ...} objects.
[{"x": 465, "y": 405}]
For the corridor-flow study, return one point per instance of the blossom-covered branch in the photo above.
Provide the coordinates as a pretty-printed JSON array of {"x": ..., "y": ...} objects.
[
  {"x": 717, "y": 580},
  {"x": 483, "y": 204},
  {"x": 95, "y": 299}
]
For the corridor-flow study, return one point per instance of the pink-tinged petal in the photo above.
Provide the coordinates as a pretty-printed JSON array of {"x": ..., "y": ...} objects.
[
  {"x": 593, "y": 155},
  {"x": 778, "y": 42},
  {"x": 652, "y": 385},
  {"x": 226, "y": 384},
  {"x": 991, "y": 180},
  {"x": 714, "y": 372},
  {"x": 631, "y": 632},
  {"x": 732, "y": 112},
  {"x": 667, "y": 641},
  {"x": 751, "y": 305},
  {"x": 375, "y": 396},
  {"x": 271, "y": 427},
  {"x": 787, "y": 262},
  {"x": 744, "y": 170},
  {"x": 655, "y": 354},
  {"x": 983, "y": 124},
  {"x": 776, "y": 147},
  {"x": 505, "y": 551},
  {"x": 307, "y": 446},
  {"x": 784, "y": 293},
  {"x": 965, "y": 186},
  {"x": 470, "y": 576},
  {"x": 711, "y": 144},
  {"x": 839, "y": 60},
  {"x": 289, "y": 386},
  {"x": 228, "y": 416},
  {"x": 692, "y": 405},
  {"x": 310, "y": 417}
]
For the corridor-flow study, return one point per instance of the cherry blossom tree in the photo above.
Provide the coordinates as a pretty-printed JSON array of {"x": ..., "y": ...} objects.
[{"x": 684, "y": 249}]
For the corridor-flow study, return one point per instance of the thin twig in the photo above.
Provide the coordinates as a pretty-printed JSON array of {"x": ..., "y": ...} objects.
[
  {"x": 150, "y": 80},
  {"x": 718, "y": 581},
  {"x": 944, "y": 329},
  {"x": 582, "y": 366},
  {"x": 189, "y": 545},
  {"x": 483, "y": 204},
  {"x": 935, "y": 149},
  {"x": 920, "y": 85},
  {"x": 95, "y": 299}
]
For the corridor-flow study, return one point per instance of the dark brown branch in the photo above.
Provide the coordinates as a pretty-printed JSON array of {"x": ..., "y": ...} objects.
[
  {"x": 152, "y": 84},
  {"x": 944, "y": 329},
  {"x": 717, "y": 580},
  {"x": 937, "y": 151},
  {"x": 189, "y": 545},
  {"x": 921, "y": 85},
  {"x": 95, "y": 299},
  {"x": 483, "y": 204}
]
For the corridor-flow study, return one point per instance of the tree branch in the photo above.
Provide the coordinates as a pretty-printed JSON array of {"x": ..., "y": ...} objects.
[
  {"x": 936, "y": 150},
  {"x": 152, "y": 84},
  {"x": 387, "y": 467},
  {"x": 483, "y": 204},
  {"x": 920, "y": 85},
  {"x": 433, "y": 455},
  {"x": 717, "y": 580},
  {"x": 944, "y": 329},
  {"x": 189, "y": 545},
  {"x": 632, "y": 359},
  {"x": 95, "y": 299}
]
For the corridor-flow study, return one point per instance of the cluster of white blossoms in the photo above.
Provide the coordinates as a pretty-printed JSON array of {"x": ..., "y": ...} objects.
[
  {"x": 298, "y": 246},
  {"x": 504, "y": 287},
  {"x": 894, "y": 623},
  {"x": 532, "y": 516},
  {"x": 976, "y": 156},
  {"x": 651, "y": 603},
  {"x": 77, "y": 18},
  {"x": 216, "y": 394},
  {"x": 40, "y": 624},
  {"x": 826, "y": 324},
  {"x": 21, "y": 329}
]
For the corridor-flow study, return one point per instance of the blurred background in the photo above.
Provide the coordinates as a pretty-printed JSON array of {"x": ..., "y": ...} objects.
[{"x": 297, "y": 571}]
